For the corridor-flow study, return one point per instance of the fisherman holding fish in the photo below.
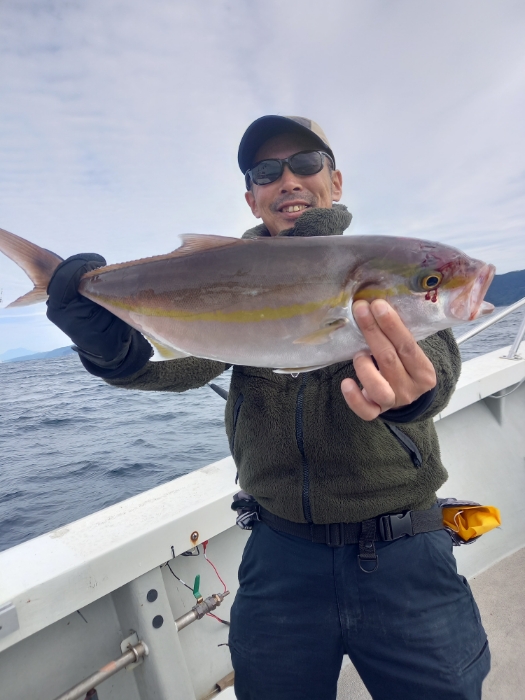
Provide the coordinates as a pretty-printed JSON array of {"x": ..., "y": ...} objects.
[{"x": 338, "y": 459}]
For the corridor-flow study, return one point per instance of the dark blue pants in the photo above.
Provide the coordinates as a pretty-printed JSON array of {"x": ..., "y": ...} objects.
[{"x": 411, "y": 628}]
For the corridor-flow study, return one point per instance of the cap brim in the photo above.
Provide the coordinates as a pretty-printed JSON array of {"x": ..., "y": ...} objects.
[{"x": 266, "y": 128}]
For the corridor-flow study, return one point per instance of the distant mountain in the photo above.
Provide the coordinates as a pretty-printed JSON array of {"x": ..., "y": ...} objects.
[
  {"x": 59, "y": 352},
  {"x": 506, "y": 289},
  {"x": 17, "y": 352}
]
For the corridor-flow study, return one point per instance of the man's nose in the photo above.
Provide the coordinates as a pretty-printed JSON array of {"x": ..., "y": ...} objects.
[{"x": 289, "y": 180}]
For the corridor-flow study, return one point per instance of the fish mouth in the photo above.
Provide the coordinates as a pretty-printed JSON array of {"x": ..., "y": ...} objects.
[{"x": 469, "y": 304}]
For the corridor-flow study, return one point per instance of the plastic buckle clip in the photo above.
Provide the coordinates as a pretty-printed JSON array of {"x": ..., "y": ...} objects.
[
  {"x": 339, "y": 534},
  {"x": 392, "y": 527}
]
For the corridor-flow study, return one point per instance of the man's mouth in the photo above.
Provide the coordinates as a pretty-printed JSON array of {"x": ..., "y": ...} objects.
[{"x": 290, "y": 208}]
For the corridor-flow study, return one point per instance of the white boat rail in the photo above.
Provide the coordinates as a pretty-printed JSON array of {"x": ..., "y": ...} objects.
[{"x": 494, "y": 319}]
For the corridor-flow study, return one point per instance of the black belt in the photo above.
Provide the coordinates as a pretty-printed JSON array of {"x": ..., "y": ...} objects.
[{"x": 383, "y": 528}]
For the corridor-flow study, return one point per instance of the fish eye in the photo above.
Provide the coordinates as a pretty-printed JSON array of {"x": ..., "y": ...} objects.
[{"x": 430, "y": 281}]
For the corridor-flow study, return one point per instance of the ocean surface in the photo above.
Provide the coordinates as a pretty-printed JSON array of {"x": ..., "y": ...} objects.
[{"x": 71, "y": 444}]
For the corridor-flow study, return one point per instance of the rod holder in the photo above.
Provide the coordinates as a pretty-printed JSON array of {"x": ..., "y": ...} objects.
[
  {"x": 134, "y": 653},
  {"x": 200, "y": 610}
]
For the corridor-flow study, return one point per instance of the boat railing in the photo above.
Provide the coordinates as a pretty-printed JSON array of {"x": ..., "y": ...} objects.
[{"x": 512, "y": 355}]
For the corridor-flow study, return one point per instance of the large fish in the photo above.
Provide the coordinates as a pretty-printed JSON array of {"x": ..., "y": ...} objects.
[{"x": 283, "y": 303}]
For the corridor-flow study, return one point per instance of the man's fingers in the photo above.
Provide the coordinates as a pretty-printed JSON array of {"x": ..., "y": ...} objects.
[
  {"x": 379, "y": 343},
  {"x": 401, "y": 373},
  {"x": 357, "y": 401},
  {"x": 407, "y": 351},
  {"x": 375, "y": 387}
]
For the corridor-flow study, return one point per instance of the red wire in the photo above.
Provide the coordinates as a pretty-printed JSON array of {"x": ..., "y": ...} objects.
[
  {"x": 204, "y": 545},
  {"x": 215, "y": 616}
]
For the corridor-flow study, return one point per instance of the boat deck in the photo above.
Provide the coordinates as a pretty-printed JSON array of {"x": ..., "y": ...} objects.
[{"x": 500, "y": 595}]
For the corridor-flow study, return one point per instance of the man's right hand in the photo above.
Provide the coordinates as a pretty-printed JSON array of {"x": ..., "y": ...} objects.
[{"x": 108, "y": 347}]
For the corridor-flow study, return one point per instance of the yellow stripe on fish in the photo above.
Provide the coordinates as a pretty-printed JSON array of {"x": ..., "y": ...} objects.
[{"x": 240, "y": 316}]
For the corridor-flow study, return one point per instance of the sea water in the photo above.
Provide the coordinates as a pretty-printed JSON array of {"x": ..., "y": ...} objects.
[{"x": 70, "y": 444}]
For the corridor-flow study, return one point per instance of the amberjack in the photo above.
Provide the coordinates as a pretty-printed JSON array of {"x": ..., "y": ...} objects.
[{"x": 283, "y": 302}]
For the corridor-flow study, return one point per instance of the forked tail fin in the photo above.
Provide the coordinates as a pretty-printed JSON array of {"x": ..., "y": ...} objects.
[{"x": 38, "y": 264}]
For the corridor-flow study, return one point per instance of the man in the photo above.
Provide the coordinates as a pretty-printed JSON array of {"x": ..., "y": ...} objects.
[{"x": 349, "y": 555}]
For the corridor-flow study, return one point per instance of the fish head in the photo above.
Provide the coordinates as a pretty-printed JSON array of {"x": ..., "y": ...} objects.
[{"x": 431, "y": 285}]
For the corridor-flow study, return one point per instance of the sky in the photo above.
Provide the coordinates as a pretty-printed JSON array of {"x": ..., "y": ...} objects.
[{"x": 120, "y": 122}]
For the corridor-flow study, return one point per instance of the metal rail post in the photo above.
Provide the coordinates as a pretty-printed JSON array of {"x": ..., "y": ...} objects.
[
  {"x": 142, "y": 605},
  {"x": 517, "y": 341}
]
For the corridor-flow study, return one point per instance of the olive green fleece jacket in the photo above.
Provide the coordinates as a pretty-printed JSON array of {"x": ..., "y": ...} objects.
[{"x": 299, "y": 449}]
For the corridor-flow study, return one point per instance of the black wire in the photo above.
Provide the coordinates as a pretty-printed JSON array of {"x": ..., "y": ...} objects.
[
  {"x": 178, "y": 579},
  {"x": 219, "y": 619},
  {"x": 224, "y": 622}
]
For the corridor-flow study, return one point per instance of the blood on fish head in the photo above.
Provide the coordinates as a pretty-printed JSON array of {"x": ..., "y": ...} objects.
[
  {"x": 431, "y": 285},
  {"x": 465, "y": 283}
]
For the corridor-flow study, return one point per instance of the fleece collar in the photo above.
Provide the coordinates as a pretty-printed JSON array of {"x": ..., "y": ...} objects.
[{"x": 314, "y": 222}]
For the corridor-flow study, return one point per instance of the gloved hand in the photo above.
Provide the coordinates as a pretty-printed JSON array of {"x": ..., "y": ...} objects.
[{"x": 108, "y": 347}]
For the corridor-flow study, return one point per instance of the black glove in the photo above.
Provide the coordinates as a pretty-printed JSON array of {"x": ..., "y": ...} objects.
[{"x": 107, "y": 346}]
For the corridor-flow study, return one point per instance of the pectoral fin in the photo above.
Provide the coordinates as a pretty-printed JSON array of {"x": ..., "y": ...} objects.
[
  {"x": 324, "y": 334},
  {"x": 164, "y": 352}
]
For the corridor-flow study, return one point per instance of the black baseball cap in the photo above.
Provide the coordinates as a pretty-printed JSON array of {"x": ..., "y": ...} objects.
[{"x": 271, "y": 125}]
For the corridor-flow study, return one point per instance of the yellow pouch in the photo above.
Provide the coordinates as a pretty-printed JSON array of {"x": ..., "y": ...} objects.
[{"x": 470, "y": 522}]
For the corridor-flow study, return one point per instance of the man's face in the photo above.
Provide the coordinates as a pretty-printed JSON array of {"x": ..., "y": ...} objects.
[{"x": 273, "y": 202}]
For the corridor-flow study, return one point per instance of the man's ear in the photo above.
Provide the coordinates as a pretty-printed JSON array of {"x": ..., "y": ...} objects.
[
  {"x": 337, "y": 185},
  {"x": 252, "y": 204}
]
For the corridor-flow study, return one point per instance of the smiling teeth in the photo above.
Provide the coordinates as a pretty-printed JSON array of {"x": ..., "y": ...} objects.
[{"x": 294, "y": 207}]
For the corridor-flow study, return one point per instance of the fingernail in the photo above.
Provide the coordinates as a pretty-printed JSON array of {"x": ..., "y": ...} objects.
[
  {"x": 361, "y": 353},
  {"x": 360, "y": 308},
  {"x": 380, "y": 307}
]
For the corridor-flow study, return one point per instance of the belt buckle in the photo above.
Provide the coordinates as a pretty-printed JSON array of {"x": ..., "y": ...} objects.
[
  {"x": 392, "y": 527},
  {"x": 340, "y": 530}
]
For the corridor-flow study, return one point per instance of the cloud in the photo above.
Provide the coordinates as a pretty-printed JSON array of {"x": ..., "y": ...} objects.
[{"x": 120, "y": 121}]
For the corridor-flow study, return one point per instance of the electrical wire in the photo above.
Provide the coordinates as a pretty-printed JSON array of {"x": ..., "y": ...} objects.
[
  {"x": 178, "y": 579},
  {"x": 224, "y": 622},
  {"x": 204, "y": 546}
]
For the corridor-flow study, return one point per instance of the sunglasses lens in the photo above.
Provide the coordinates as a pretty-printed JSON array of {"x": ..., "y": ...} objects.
[
  {"x": 266, "y": 171},
  {"x": 307, "y": 163},
  {"x": 304, "y": 163}
]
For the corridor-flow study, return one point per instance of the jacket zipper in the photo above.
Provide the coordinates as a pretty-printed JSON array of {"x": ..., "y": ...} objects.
[
  {"x": 407, "y": 444},
  {"x": 299, "y": 436}
]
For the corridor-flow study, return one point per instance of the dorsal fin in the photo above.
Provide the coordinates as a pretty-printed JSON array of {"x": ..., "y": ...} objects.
[
  {"x": 191, "y": 243},
  {"x": 199, "y": 242}
]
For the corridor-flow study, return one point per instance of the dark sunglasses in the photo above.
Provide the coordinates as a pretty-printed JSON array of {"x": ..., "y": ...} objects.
[{"x": 270, "y": 170}]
